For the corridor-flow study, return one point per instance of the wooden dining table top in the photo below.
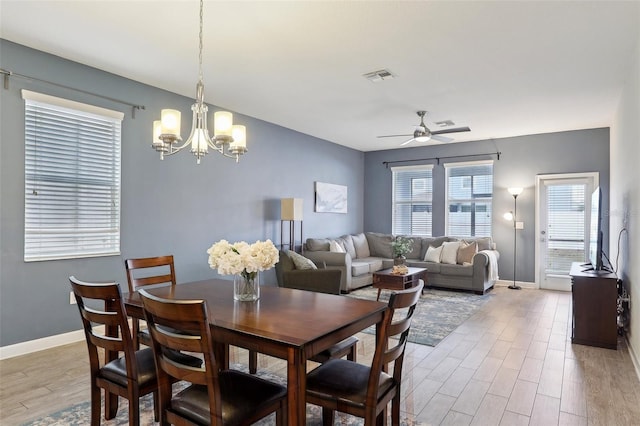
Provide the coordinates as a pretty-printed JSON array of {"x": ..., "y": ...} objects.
[{"x": 292, "y": 317}]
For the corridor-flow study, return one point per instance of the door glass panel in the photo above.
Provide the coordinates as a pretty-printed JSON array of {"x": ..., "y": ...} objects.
[{"x": 566, "y": 227}]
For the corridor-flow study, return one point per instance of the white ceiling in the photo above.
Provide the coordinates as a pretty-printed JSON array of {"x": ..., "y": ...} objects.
[{"x": 502, "y": 68}]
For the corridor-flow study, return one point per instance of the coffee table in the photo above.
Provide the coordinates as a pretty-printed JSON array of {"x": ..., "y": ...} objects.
[{"x": 387, "y": 280}]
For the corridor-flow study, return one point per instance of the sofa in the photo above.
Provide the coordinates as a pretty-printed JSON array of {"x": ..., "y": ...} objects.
[
  {"x": 358, "y": 256},
  {"x": 306, "y": 277}
]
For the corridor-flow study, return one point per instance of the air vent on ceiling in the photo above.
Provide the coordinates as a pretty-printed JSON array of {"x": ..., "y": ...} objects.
[
  {"x": 379, "y": 75},
  {"x": 444, "y": 123}
]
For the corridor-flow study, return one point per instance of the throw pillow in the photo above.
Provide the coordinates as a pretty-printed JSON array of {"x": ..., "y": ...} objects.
[
  {"x": 335, "y": 247},
  {"x": 484, "y": 243},
  {"x": 380, "y": 244},
  {"x": 348, "y": 246},
  {"x": 433, "y": 254},
  {"x": 300, "y": 261},
  {"x": 361, "y": 245},
  {"x": 466, "y": 252},
  {"x": 450, "y": 252}
]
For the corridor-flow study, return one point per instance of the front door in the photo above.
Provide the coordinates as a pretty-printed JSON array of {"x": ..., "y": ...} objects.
[{"x": 562, "y": 227}]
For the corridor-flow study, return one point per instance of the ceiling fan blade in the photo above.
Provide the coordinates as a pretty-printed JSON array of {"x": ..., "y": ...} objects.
[
  {"x": 393, "y": 136},
  {"x": 405, "y": 143},
  {"x": 454, "y": 130},
  {"x": 441, "y": 138}
]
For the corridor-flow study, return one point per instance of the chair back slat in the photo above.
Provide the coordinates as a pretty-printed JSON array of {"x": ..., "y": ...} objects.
[
  {"x": 107, "y": 343},
  {"x": 182, "y": 325},
  {"x": 195, "y": 375},
  {"x": 100, "y": 317},
  {"x": 179, "y": 342},
  {"x": 145, "y": 271}
]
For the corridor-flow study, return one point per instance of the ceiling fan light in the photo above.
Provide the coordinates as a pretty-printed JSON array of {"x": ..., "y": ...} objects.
[{"x": 423, "y": 138}]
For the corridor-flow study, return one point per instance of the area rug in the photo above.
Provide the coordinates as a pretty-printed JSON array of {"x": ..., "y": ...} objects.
[
  {"x": 80, "y": 414},
  {"x": 438, "y": 313}
]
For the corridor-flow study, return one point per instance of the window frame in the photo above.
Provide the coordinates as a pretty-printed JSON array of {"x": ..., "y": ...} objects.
[
  {"x": 471, "y": 200},
  {"x": 427, "y": 200},
  {"x": 81, "y": 215}
]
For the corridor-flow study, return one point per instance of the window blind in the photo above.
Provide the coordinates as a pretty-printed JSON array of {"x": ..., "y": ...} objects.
[
  {"x": 469, "y": 198},
  {"x": 412, "y": 200},
  {"x": 72, "y": 179},
  {"x": 566, "y": 227}
]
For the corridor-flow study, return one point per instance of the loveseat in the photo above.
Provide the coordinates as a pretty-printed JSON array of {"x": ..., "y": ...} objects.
[{"x": 455, "y": 263}]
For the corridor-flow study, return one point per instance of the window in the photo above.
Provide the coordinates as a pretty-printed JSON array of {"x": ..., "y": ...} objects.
[
  {"x": 469, "y": 198},
  {"x": 72, "y": 179},
  {"x": 412, "y": 195}
]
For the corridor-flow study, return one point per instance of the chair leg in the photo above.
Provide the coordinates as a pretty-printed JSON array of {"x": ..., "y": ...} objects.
[
  {"x": 134, "y": 408},
  {"x": 156, "y": 406},
  {"x": 110, "y": 405},
  {"x": 327, "y": 416},
  {"x": 395, "y": 409},
  {"x": 351, "y": 356},
  {"x": 95, "y": 405},
  {"x": 253, "y": 362},
  {"x": 281, "y": 415}
]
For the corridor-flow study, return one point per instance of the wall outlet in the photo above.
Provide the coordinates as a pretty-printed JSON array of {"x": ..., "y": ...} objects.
[
  {"x": 519, "y": 225},
  {"x": 72, "y": 298}
]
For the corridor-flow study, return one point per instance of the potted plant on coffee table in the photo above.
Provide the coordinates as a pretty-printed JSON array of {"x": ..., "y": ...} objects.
[{"x": 401, "y": 246}]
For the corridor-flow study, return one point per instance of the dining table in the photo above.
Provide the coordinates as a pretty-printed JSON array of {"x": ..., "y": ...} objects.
[{"x": 289, "y": 324}]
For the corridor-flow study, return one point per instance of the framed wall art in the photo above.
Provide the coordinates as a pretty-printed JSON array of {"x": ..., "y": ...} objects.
[{"x": 331, "y": 198}]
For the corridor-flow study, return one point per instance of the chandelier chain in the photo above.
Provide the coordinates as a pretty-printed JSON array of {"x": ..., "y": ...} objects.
[{"x": 200, "y": 40}]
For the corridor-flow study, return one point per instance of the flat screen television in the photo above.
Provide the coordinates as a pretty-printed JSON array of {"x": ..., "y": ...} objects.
[{"x": 595, "y": 231}]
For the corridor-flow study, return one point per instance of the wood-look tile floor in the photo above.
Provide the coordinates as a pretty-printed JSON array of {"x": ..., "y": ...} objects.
[{"x": 511, "y": 363}]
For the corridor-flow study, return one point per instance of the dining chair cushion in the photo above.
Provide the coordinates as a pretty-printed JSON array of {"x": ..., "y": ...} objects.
[
  {"x": 344, "y": 379},
  {"x": 116, "y": 370},
  {"x": 241, "y": 394}
]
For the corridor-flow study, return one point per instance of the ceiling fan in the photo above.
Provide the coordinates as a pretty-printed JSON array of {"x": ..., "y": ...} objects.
[{"x": 423, "y": 134}]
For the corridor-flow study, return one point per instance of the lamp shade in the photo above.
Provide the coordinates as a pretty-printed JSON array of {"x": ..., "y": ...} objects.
[
  {"x": 291, "y": 209},
  {"x": 222, "y": 123},
  {"x": 239, "y": 134},
  {"x": 515, "y": 191},
  {"x": 157, "y": 131},
  {"x": 170, "y": 119}
]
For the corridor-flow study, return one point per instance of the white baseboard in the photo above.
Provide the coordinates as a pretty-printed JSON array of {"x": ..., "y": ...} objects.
[
  {"x": 36, "y": 345},
  {"x": 523, "y": 284},
  {"x": 634, "y": 357}
]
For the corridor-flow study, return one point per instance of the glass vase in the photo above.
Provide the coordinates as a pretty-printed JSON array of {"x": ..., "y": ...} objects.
[{"x": 246, "y": 288}]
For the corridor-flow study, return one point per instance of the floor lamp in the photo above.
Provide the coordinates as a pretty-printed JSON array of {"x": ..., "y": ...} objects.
[
  {"x": 291, "y": 211},
  {"x": 512, "y": 217}
]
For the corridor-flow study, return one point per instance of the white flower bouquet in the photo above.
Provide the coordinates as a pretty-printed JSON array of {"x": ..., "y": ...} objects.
[{"x": 242, "y": 258}]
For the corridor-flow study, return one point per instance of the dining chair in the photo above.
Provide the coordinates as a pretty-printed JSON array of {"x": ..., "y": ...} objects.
[
  {"x": 148, "y": 271},
  {"x": 152, "y": 271},
  {"x": 130, "y": 376},
  {"x": 214, "y": 397},
  {"x": 362, "y": 390}
]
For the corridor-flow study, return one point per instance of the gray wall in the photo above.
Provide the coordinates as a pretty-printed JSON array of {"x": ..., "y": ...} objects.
[
  {"x": 521, "y": 159},
  {"x": 171, "y": 206}
]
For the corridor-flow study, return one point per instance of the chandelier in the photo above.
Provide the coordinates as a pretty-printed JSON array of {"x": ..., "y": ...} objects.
[{"x": 228, "y": 139}]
